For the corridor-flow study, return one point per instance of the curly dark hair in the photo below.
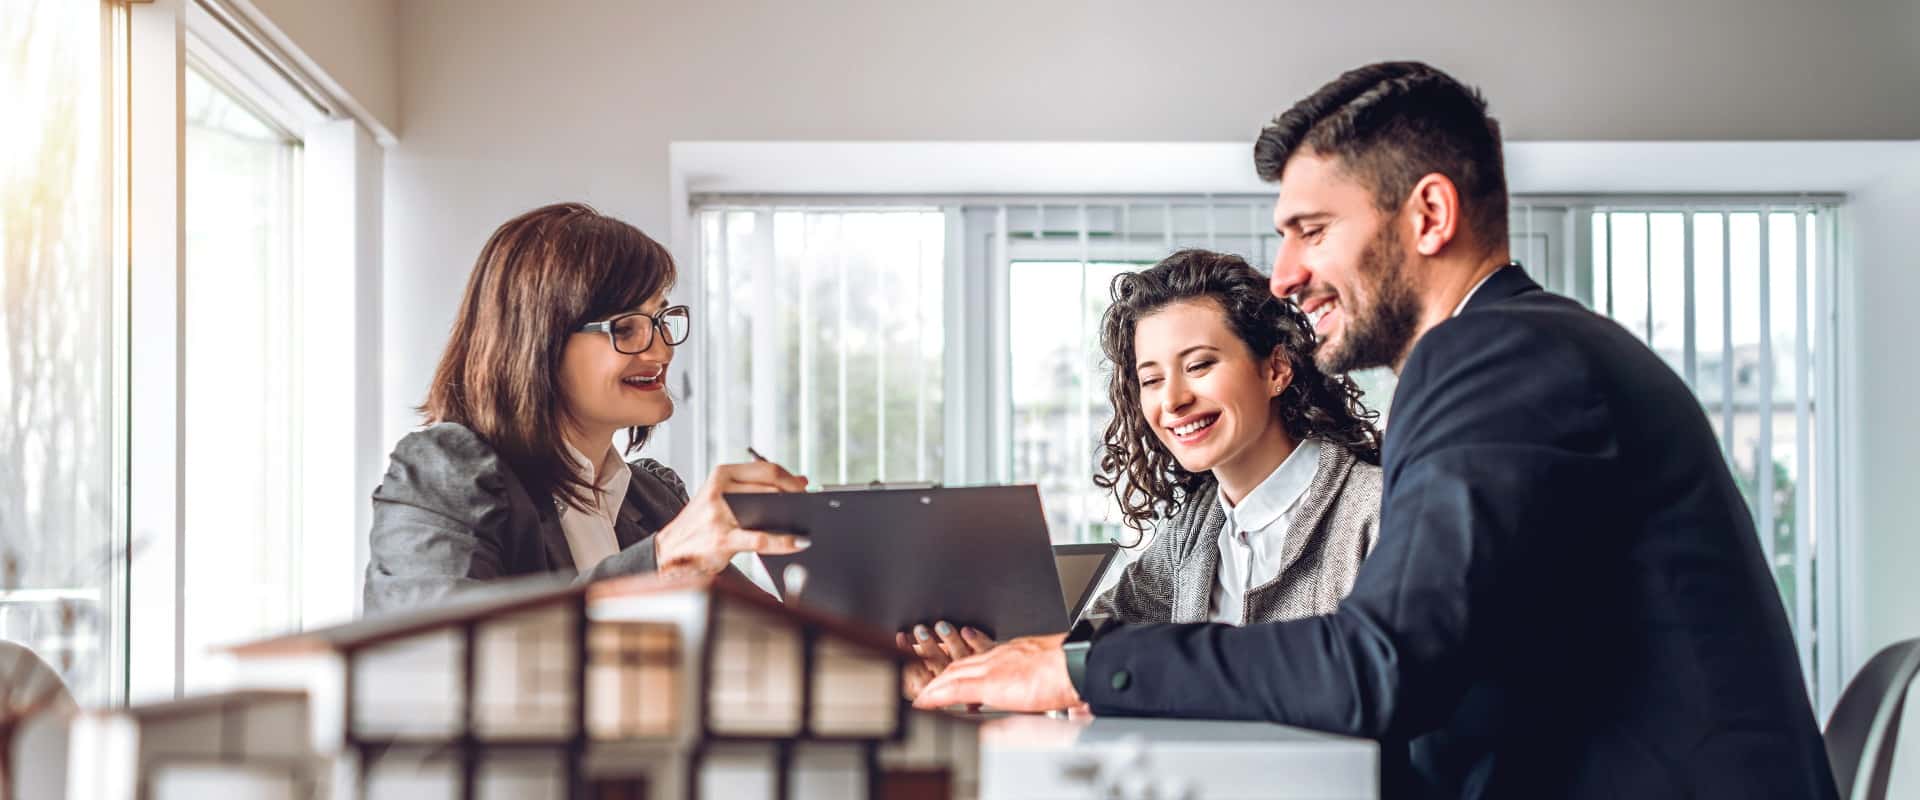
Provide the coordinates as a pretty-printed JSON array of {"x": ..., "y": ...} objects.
[{"x": 1140, "y": 471}]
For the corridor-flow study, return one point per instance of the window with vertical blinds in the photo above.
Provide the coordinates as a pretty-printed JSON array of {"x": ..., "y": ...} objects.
[
  {"x": 1736, "y": 298},
  {"x": 956, "y": 340},
  {"x": 822, "y": 332}
]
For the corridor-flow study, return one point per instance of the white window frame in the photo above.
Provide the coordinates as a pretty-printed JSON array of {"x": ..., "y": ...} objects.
[
  {"x": 979, "y": 253},
  {"x": 1551, "y": 234},
  {"x": 1618, "y": 171},
  {"x": 337, "y": 369}
]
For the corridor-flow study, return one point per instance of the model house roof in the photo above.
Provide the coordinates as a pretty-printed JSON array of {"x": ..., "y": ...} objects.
[
  {"x": 210, "y": 703},
  {"x": 506, "y": 597},
  {"x": 492, "y": 600}
]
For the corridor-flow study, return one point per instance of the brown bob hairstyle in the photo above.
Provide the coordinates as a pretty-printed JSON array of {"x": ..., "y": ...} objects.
[{"x": 540, "y": 277}]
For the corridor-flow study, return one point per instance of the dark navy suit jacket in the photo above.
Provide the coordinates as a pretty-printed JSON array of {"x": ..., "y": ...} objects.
[{"x": 1567, "y": 599}]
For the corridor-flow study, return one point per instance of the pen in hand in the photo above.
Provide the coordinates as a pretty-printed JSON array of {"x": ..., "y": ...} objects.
[{"x": 764, "y": 460}]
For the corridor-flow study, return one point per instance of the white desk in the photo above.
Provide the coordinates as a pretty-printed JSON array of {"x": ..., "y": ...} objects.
[{"x": 1035, "y": 757}]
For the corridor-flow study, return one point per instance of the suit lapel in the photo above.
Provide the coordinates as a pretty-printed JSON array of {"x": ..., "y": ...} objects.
[
  {"x": 631, "y": 526},
  {"x": 555, "y": 538},
  {"x": 1328, "y": 475},
  {"x": 1200, "y": 569}
]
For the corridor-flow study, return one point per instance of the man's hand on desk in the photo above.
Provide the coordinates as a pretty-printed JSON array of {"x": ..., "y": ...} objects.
[{"x": 1027, "y": 674}]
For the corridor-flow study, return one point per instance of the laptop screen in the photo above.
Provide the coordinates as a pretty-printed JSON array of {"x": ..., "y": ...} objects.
[{"x": 1080, "y": 567}]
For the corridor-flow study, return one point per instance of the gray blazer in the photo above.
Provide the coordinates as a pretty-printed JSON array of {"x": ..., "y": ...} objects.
[
  {"x": 1334, "y": 529},
  {"x": 450, "y": 515}
]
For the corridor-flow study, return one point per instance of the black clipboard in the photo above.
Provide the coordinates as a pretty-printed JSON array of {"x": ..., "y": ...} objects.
[{"x": 892, "y": 558}]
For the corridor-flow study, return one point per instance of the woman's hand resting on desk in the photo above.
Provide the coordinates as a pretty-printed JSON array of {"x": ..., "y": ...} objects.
[
  {"x": 937, "y": 646},
  {"x": 705, "y": 536}
]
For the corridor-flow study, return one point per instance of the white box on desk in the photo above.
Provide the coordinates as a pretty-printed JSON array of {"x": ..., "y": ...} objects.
[{"x": 1036, "y": 757}]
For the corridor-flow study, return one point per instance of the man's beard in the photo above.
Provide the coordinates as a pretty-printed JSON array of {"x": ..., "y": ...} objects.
[{"x": 1379, "y": 334}]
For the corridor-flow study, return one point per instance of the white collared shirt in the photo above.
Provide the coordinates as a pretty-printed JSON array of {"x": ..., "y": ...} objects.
[
  {"x": 1252, "y": 541},
  {"x": 589, "y": 533},
  {"x": 1473, "y": 291}
]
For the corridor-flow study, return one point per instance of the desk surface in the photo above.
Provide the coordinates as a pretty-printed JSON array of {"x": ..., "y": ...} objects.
[{"x": 1025, "y": 756}]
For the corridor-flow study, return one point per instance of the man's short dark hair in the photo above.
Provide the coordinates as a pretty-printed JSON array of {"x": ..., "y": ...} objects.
[{"x": 1392, "y": 123}]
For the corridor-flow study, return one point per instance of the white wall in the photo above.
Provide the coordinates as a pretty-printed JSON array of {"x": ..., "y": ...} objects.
[
  {"x": 354, "y": 44},
  {"x": 1884, "y": 295},
  {"x": 511, "y": 104}
]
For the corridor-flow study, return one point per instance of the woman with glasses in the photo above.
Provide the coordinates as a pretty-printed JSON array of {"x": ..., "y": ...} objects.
[{"x": 564, "y": 338}]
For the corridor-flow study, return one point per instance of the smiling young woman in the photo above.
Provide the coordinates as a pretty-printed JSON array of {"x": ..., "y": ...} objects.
[
  {"x": 564, "y": 338},
  {"x": 1259, "y": 470}
]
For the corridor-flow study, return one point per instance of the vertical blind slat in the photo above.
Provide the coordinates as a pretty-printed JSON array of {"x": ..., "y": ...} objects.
[
  {"x": 765, "y": 333},
  {"x": 807, "y": 264},
  {"x": 920, "y": 361},
  {"x": 1613, "y": 275},
  {"x": 1569, "y": 258},
  {"x": 720, "y": 364},
  {"x": 1526, "y": 241},
  {"x": 1690, "y": 349},
  {"x": 1647, "y": 240},
  {"x": 880, "y": 378},
  {"x": 840, "y": 345},
  {"x": 1726, "y": 335},
  {"x": 1002, "y": 409},
  {"x": 1083, "y": 411},
  {"x": 1802, "y": 530},
  {"x": 1825, "y": 500},
  {"x": 1258, "y": 246},
  {"x": 1763, "y": 458}
]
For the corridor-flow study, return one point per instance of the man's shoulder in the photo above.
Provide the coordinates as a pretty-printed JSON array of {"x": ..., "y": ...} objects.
[
  {"x": 1519, "y": 369},
  {"x": 1516, "y": 334}
]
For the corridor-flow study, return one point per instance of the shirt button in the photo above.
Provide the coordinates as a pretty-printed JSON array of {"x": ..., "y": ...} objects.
[{"x": 1120, "y": 680}]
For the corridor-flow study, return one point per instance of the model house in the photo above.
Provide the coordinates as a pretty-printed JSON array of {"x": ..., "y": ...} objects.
[
  {"x": 641, "y": 687},
  {"x": 244, "y": 745}
]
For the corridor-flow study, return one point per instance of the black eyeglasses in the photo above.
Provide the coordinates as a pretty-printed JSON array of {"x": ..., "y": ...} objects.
[{"x": 633, "y": 333}]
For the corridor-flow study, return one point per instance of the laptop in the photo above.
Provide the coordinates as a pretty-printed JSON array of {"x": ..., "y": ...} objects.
[{"x": 1080, "y": 567}]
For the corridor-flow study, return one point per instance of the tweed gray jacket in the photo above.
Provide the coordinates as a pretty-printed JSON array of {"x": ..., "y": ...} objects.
[
  {"x": 451, "y": 515},
  {"x": 1333, "y": 530}
]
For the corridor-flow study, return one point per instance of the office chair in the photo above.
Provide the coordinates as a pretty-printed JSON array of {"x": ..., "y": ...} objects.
[
  {"x": 1864, "y": 733},
  {"x": 35, "y": 707}
]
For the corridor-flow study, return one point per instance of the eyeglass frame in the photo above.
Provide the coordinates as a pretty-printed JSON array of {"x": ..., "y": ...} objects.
[{"x": 655, "y": 328}]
